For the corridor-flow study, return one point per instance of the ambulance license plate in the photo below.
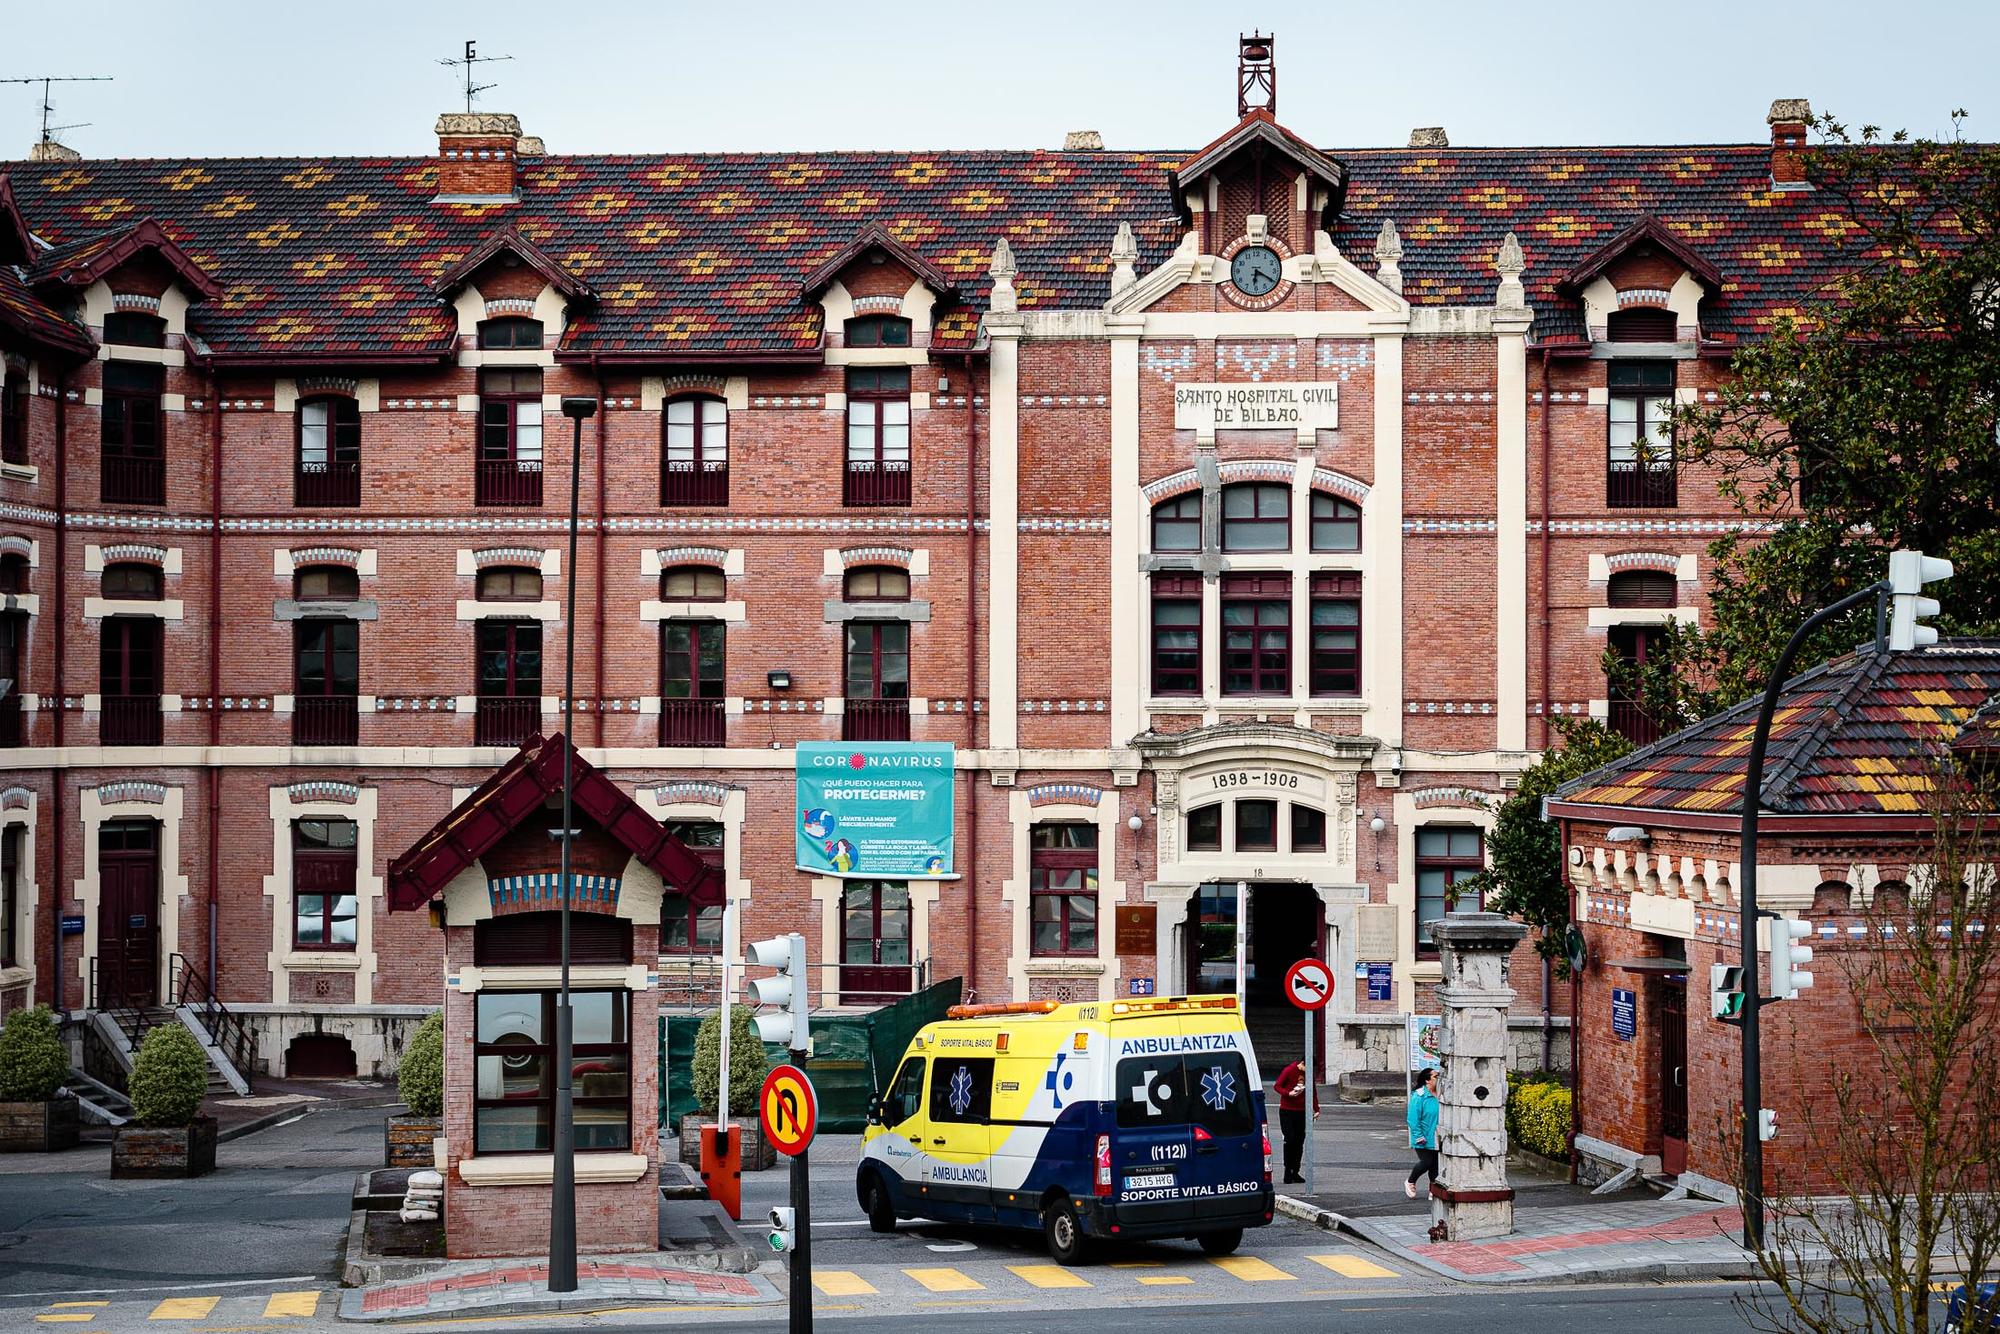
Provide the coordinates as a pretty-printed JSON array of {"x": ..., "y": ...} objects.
[{"x": 1149, "y": 1181}]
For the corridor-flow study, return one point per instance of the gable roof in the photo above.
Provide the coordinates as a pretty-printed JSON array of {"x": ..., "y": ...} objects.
[
  {"x": 1260, "y": 126},
  {"x": 509, "y": 241},
  {"x": 83, "y": 261},
  {"x": 872, "y": 237},
  {"x": 1855, "y": 736},
  {"x": 703, "y": 256},
  {"x": 17, "y": 243},
  {"x": 1646, "y": 230},
  {"x": 522, "y": 786}
]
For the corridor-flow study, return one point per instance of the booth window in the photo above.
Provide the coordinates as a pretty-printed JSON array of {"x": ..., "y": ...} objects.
[{"x": 514, "y": 1075}]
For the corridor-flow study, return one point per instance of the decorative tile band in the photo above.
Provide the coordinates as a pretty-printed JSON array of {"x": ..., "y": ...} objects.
[
  {"x": 16, "y": 799},
  {"x": 509, "y": 305},
  {"x": 1449, "y": 397},
  {"x": 1172, "y": 485},
  {"x": 1066, "y": 794},
  {"x": 1452, "y": 527},
  {"x": 322, "y": 789},
  {"x": 707, "y": 794},
  {"x": 814, "y": 401},
  {"x": 124, "y": 551},
  {"x": 506, "y": 556},
  {"x": 326, "y": 556},
  {"x": 1050, "y": 524},
  {"x": 1063, "y": 400},
  {"x": 196, "y": 703},
  {"x": 956, "y": 705},
  {"x": 416, "y": 703},
  {"x": 134, "y": 301},
  {"x": 420, "y": 404},
  {"x": 1577, "y": 707},
  {"x": 329, "y": 384},
  {"x": 853, "y": 556},
  {"x": 10, "y": 545},
  {"x": 1662, "y": 561},
  {"x": 1643, "y": 296},
  {"x": 152, "y": 794},
  {"x": 1259, "y": 470},
  {"x": 1425, "y": 798},
  {"x": 1325, "y": 479},
  {"x": 546, "y": 887},
  {"x": 1065, "y": 705},
  {"x": 1447, "y": 706}
]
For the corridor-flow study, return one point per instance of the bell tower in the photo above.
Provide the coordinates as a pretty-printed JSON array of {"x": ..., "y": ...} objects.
[{"x": 1256, "y": 74}]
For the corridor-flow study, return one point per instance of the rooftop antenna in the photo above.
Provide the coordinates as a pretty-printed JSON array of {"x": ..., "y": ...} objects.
[
  {"x": 469, "y": 60},
  {"x": 48, "y": 108}
]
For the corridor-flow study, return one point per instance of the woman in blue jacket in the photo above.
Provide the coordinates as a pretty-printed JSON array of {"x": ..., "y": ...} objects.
[{"x": 1423, "y": 1119}]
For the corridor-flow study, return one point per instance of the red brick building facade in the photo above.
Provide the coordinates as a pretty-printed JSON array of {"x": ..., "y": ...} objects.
[{"x": 1238, "y": 514}]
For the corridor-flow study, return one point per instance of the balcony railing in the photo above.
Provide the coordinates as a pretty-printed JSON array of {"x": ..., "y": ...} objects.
[
  {"x": 129, "y": 720},
  {"x": 506, "y": 720},
  {"x": 684, "y": 484},
  {"x": 10, "y": 720},
  {"x": 1633, "y": 723},
  {"x": 875, "y": 720},
  {"x": 1629, "y": 486},
  {"x": 692, "y": 722},
  {"x": 326, "y": 720},
  {"x": 133, "y": 480},
  {"x": 327, "y": 484},
  {"x": 509, "y": 482},
  {"x": 868, "y": 484}
]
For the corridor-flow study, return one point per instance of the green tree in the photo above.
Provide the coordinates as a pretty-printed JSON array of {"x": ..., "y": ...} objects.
[
  {"x": 1524, "y": 875},
  {"x": 1864, "y": 422}
]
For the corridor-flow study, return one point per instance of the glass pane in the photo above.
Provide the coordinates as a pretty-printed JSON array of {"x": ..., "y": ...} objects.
[
  {"x": 858, "y": 936},
  {"x": 1045, "y": 936},
  {"x": 680, "y": 412},
  {"x": 1465, "y": 843},
  {"x": 343, "y": 920},
  {"x": 680, "y": 445},
  {"x": 1433, "y": 842},
  {"x": 708, "y": 927},
  {"x": 512, "y": 1076},
  {"x": 312, "y": 434},
  {"x": 311, "y": 919},
  {"x": 601, "y": 1127},
  {"x": 523, "y": 1129},
  {"x": 1239, "y": 502},
  {"x": 1308, "y": 829},
  {"x": 511, "y": 1017},
  {"x": 1045, "y": 908},
  {"x": 598, "y": 1016},
  {"x": 1336, "y": 613},
  {"x": 1205, "y": 828},
  {"x": 604, "y": 1075},
  {"x": 674, "y": 924},
  {"x": 1256, "y": 825}
]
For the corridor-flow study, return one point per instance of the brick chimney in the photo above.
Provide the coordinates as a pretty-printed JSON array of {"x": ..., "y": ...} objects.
[
  {"x": 48, "y": 150},
  {"x": 477, "y": 153},
  {"x": 1429, "y": 136},
  {"x": 1083, "y": 141},
  {"x": 1788, "y": 120}
]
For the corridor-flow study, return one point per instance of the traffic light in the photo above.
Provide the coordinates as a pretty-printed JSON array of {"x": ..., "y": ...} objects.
[
  {"x": 784, "y": 1230},
  {"x": 1725, "y": 992},
  {"x": 789, "y": 989},
  {"x": 1767, "y": 1124},
  {"x": 1909, "y": 571},
  {"x": 1787, "y": 978}
]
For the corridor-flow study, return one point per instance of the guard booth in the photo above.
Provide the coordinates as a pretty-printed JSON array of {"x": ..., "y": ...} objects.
[{"x": 489, "y": 873}]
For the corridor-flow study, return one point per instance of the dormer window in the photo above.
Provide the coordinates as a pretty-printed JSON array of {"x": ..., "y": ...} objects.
[
  {"x": 329, "y": 453},
  {"x": 132, "y": 328},
  {"x": 1642, "y": 324},
  {"x": 877, "y": 331},
  {"x": 512, "y": 333}
]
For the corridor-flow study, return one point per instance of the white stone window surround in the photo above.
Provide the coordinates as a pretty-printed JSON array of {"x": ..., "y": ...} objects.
[
  {"x": 664, "y": 802},
  {"x": 547, "y": 559},
  {"x": 1105, "y": 969},
  {"x": 657, "y": 561},
  {"x": 285, "y": 959},
  {"x": 27, "y": 889},
  {"x": 656, "y": 391},
  {"x": 827, "y": 892},
  {"x": 170, "y": 561},
  {"x": 472, "y": 309},
  {"x": 1408, "y": 819},
  {"x": 288, "y": 561},
  {"x": 837, "y": 561},
  {"x": 94, "y": 813},
  {"x": 12, "y": 544},
  {"x": 287, "y": 392},
  {"x": 916, "y": 305}
]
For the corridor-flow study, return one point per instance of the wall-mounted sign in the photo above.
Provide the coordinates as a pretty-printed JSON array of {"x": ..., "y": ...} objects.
[
  {"x": 72, "y": 926},
  {"x": 1381, "y": 981},
  {"x": 1139, "y": 986},
  {"x": 1624, "y": 1013},
  {"x": 875, "y": 809},
  {"x": 1375, "y": 931},
  {"x": 1137, "y": 932},
  {"x": 1258, "y": 777},
  {"x": 1300, "y": 405},
  {"x": 1425, "y": 1030}
]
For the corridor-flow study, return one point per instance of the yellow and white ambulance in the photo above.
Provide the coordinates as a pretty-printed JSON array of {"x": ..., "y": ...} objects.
[{"x": 1099, "y": 1121}]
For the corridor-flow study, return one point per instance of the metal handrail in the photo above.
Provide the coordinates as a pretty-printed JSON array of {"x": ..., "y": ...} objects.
[{"x": 188, "y": 987}]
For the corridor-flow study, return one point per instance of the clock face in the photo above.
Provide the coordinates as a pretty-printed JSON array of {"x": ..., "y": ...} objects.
[{"x": 1256, "y": 270}]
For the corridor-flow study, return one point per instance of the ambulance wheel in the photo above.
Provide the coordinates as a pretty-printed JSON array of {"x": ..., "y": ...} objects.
[
  {"x": 1064, "y": 1235},
  {"x": 1221, "y": 1243},
  {"x": 875, "y": 1202}
]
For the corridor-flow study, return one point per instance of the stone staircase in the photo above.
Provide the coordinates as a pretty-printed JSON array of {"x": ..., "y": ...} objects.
[{"x": 122, "y": 1029}]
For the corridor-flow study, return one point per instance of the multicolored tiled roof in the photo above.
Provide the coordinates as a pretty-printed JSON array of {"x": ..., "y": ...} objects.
[
  {"x": 705, "y": 254},
  {"x": 1856, "y": 735}
]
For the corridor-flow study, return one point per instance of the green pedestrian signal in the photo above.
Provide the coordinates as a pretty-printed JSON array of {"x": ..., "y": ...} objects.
[{"x": 1725, "y": 992}]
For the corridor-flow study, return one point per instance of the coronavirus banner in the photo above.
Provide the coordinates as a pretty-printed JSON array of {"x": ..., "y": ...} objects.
[{"x": 877, "y": 810}]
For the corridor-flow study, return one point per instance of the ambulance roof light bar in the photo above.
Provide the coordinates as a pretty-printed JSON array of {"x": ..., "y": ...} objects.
[{"x": 1006, "y": 1007}]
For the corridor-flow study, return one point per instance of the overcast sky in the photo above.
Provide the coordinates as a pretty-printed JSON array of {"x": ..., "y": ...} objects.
[{"x": 278, "y": 77}]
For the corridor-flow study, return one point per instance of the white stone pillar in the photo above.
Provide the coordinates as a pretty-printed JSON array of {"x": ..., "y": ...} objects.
[{"x": 1470, "y": 1194}]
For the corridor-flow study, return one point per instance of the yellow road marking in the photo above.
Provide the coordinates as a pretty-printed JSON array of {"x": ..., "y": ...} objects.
[
  {"x": 946, "y": 1280},
  {"x": 842, "y": 1283},
  {"x": 1353, "y": 1266},
  {"x": 1049, "y": 1276},
  {"x": 67, "y": 1319},
  {"x": 1250, "y": 1269},
  {"x": 1162, "y": 1280},
  {"x": 291, "y": 1303},
  {"x": 58, "y": 1306},
  {"x": 184, "y": 1308}
]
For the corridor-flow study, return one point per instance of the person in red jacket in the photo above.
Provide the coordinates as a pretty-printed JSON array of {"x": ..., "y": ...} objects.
[{"x": 1291, "y": 1086}]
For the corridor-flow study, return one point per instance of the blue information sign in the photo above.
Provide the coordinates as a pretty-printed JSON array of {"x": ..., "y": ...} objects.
[
  {"x": 879, "y": 809},
  {"x": 1141, "y": 986},
  {"x": 1624, "y": 1013},
  {"x": 1381, "y": 982},
  {"x": 72, "y": 926}
]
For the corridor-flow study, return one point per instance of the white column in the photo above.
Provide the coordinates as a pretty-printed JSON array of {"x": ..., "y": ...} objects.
[
  {"x": 1382, "y": 540},
  {"x": 1003, "y": 471},
  {"x": 1127, "y": 516},
  {"x": 1511, "y": 550}
]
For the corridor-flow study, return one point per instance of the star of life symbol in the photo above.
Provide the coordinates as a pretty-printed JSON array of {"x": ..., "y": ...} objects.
[
  {"x": 1218, "y": 1087},
  {"x": 1057, "y": 1082},
  {"x": 959, "y": 1095}
]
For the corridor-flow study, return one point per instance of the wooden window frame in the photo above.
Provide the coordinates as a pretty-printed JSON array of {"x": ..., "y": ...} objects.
[
  {"x": 1455, "y": 869},
  {"x": 1266, "y": 595},
  {"x": 1313, "y": 814},
  {"x": 155, "y": 584},
  {"x": 336, "y": 858},
  {"x": 508, "y": 333},
  {"x": 875, "y": 631},
  {"x": 678, "y": 907},
  {"x": 1323, "y": 668},
  {"x": 10, "y": 893},
  {"x": 1236, "y": 823},
  {"x": 514, "y": 572},
  {"x": 1215, "y": 845},
  {"x": 704, "y": 478},
  {"x": 512, "y": 632},
  {"x": 14, "y": 399},
  {"x": 1340, "y": 511},
  {"x": 1046, "y": 860},
  {"x": 131, "y": 434},
  {"x": 1176, "y": 590},
  {"x": 1629, "y": 590},
  {"x": 502, "y": 411},
  {"x": 334, "y": 479},
  {"x": 152, "y": 330},
  {"x": 331, "y": 573},
  {"x": 875, "y": 331},
  {"x": 849, "y": 591},
  {"x": 14, "y": 573},
  {"x": 1170, "y": 514},
  {"x": 699, "y": 573},
  {"x": 876, "y": 939},
  {"x": 697, "y": 685},
  {"x": 867, "y": 473},
  {"x": 1641, "y": 479},
  {"x": 326, "y": 630},
  {"x": 1260, "y": 493}
]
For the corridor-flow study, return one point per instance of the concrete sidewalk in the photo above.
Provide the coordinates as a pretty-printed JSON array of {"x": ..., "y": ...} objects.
[
  {"x": 1563, "y": 1233},
  {"x": 515, "y": 1287}
]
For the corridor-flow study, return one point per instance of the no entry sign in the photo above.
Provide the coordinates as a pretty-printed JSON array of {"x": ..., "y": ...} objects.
[
  {"x": 1309, "y": 983},
  {"x": 789, "y": 1110}
]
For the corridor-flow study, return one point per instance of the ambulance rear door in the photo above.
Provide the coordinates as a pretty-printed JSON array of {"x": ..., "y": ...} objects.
[{"x": 1152, "y": 1143}]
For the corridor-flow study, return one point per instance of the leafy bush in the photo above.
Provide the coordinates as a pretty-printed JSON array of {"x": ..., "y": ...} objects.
[
  {"x": 1539, "y": 1115},
  {"x": 169, "y": 1077},
  {"x": 748, "y": 1063},
  {"x": 33, "y": 1060},
  {"x": 420, "y": 1077}
]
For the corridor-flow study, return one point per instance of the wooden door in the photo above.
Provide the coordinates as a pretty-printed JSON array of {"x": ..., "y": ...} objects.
[
  {"x": 1673, "y": 1077},
  {"x": 875, "y": 962},
  {"x": 128, "y": 906}
]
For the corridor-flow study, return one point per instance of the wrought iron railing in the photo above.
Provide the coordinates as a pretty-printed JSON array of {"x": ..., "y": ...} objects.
[
  {"x": 129, "y": 720},
  {"x": 133, "y": 479},
  {"x": 187, "y": 986},
  {"x": 693, "y": 722},
  {"x": 327, "y": 484},
  {"x": 1632, "y": 722},
  {"x": 509, "y": 482},
  {"x": 685, "y": 484},
  {"x": 1633, "y": 486},
  {"x": 875, "y": 720},
  {"x": 869, "y": 484},
  {"x": 326, "y": 720},
  {"x": 506, "y": 720}
]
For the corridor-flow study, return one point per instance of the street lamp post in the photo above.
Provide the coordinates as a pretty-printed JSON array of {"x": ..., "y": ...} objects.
[{"x": 562, "y": 1203}]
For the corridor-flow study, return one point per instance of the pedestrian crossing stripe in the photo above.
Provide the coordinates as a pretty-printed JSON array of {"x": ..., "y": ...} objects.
[
  {"x": 1352, "y": 1266},
  {"x": 1163, "y": 1280},
  {"x": 842, "y": 1283},
  {"x": 291, "y": 1304},
  {"x": 1048, "y": 1276},
  {"x": 946, "y": 1280},
  {"x": 184, "y": 1308},
  {"x": 1250, "y": 1269},
  {"x": 67, "y": 1317}
]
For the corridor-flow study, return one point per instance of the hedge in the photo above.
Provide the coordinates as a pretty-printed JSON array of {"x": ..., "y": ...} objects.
[
  {"x": 33, "y": 1060},
  {"x": 1539, "y": 1116},
  {"x": 747, "y": 1061},
  {"x": 169, "y": 1077},
  {"x": 420, "y": 1076}
]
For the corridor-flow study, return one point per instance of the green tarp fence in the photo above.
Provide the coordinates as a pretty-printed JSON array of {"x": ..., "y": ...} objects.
[{"x": 853, "y": 1056}]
